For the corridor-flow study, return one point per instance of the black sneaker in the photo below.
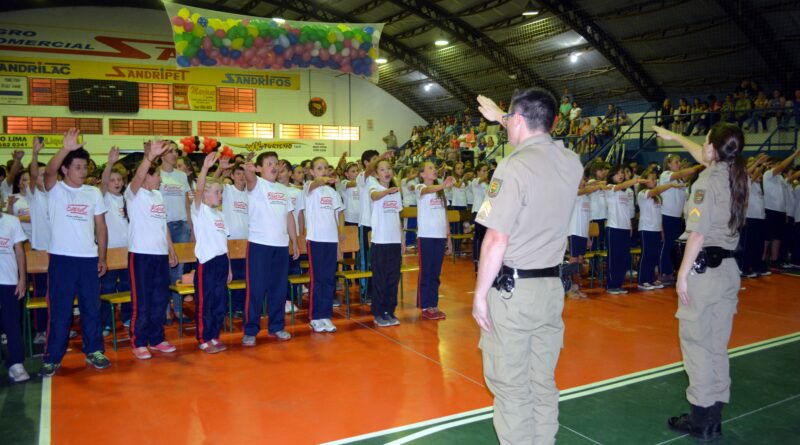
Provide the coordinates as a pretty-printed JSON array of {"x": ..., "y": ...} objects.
[
  {"x": 49, "y": 369},
  {"x": 98, "y": 360},
  {"x": 393, "y": 321},
  {"x": 382, "y": 322}
]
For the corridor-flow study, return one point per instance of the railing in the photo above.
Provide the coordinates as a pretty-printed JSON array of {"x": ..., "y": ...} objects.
[{"x": 779, "y": 132}]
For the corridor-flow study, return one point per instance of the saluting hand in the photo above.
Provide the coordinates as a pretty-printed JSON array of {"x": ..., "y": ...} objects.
[
  {"x": 393, "y": 190},
  {"x": 449, "y": 181},
  {"x": 663, "y": 133}
]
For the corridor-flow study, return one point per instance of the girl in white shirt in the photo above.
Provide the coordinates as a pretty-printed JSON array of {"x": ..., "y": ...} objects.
[
  {"x": 775, "y": 204},
  {"x": 113, "y": 281},
  {"x": 618, "y": 230},
  {"x": 597, "y": 204},
  {"x": 295, "y": 193},
  {"x": 40, "y": 231},
  {"x": 323, "y": 206},
  {"x": 150, "y": 255},
  {"x": 387, "y": 248},
  {"x": 753, "y": 233},
  {"x": 18, "y": 202},
  {"x": 650, "y": 225},
  {"x": 407, "y": 189},
  {"x": 235, "y": 211},
  {"x": 478, "y": 187},
  {"x": 213, "y": 267},
  {"x": 350, "y": 196},
  {"x": 12, "y": 289},
  {"x": 433, "y": 239},
  {"x": 458, "y": 200},
  {"x": 579, "y": 240}
]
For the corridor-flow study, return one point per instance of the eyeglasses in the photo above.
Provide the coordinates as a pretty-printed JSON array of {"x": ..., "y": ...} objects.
[{"x": 504, "y": 119}]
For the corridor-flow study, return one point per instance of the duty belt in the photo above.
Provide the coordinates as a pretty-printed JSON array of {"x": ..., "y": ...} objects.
[{"x": 530, "y": 273}]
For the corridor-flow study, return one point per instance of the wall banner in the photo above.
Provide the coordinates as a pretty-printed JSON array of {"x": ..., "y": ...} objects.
[
  {"x": 13, "y": 90},
  {"x": 318, "y": 147},
  {"x": 19, "y": 141},
  {"x": 194, "y": 97}
]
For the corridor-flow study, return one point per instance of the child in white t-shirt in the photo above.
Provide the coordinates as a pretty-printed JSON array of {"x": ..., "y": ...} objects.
[
  {"x": 235, "y": 210},
  {"x": 40, "y": 235},
  {"x": 150, "y": 254},
  {"x": 285, "y": 173},
  {"x": 350, "y": 196},
  {"x": 12, "y": 289},
  {"x": 213, "y": 267},
  {"x": 323, "y": 206}
]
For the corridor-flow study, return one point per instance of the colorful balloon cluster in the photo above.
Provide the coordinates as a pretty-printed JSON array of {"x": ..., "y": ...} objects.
[
  {"x": 267, "y": 44},
  {"x": 190, "y": 144}
]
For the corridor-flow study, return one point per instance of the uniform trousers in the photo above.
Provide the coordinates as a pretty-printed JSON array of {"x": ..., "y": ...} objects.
[
  {"x": 386, "y": 261},
  {"x": 673, "y": 227},
  {"x": 322, "y": 261},
  {"x": 10, "y": 317},
  {"x": 619, "y": 256},
  {"x": 430, "y": 256},
  {"x": 519, "y": 359},
  {"x": 150, "y": 297},
  {"x": 210, "y": 283},
  {"x": 753, "y": 237},
  {"x": 267, "y": 273},
  {"x": 651, "y": 247}
]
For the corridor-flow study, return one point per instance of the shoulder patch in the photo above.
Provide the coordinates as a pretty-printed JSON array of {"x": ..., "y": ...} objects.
[
  {"x": 699, "y": 195},
  {"x": 494, "y": 187}
]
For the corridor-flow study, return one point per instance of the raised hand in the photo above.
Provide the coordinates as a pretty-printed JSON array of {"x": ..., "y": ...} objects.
[
  {"x": 71, "y": 139},
  {"x": 18, "y": 155},
  {"x": 156, "y": 149},
  {"x": 489, "y": 109},
  {"x": 209, "y": 161},
  {"x": 38, "y": 144},
  {"x": 11, "y": 200},
  {"x": 249, "y": 167},
  {"x": 113, "y": 155},
  {"x": 450, "y": 181},
  {"x": 224, "y": 163},
  {"x": 663, "y": 133}
]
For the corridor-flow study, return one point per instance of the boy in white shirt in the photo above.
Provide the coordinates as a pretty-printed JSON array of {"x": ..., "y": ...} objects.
[
  {"x": 271, "y": 229},
  {"x": 40, "y": 235},
  {"x": 150, "y": 255},
  {"x": 77, "y": 213},
  {"x": 213, "y": 267},
  {"x": 12, "y": 289},
  {"x": 234, "y": 209}
]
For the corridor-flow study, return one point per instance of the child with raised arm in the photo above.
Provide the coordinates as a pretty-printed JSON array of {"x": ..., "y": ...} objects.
[
  {"x": 235, "y": 211},
  {"x": 150, "y": 254},
  {"x": 433, "y": 239},
  {"x": 650, "y": 227},
  {"x": 12, "y": 290},
  {"x": 78, "y": 240},
  {"x": 40, "y": 235},
  {"x": 323, "y": 206},
  {"x": 213, "y": 267}
]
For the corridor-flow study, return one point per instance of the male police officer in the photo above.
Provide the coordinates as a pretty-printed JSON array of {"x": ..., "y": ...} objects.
[{"x": 519, "y": 297}]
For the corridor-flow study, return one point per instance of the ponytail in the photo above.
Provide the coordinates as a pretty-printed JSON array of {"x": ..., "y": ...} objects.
[{"x": 728, "y": 142}]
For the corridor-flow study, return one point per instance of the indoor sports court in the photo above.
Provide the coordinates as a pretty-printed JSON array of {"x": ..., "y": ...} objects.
[{"x": 315, "y": 96}]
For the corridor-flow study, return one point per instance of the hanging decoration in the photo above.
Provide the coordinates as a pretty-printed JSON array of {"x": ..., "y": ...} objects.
[{"x": 190, "y": 144}]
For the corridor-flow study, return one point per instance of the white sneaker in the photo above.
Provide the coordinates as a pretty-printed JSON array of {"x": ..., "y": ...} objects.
[
  {"x": 318, "y": 325},
  {"x": 17, "y": 373},
  {"x": 289, "y": 306},
  {"x": 329, "y": 326}
]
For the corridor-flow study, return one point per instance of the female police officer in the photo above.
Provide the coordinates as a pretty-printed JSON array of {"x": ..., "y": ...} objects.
[{"x": 708, "y": 280}]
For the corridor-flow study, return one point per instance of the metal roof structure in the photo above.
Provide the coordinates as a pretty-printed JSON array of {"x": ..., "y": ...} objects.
[{"x": 599, "y": 50}]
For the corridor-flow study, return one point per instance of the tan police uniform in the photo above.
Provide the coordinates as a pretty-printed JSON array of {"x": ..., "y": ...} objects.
[
  {"x": 530, "y": 199},
  {"x": 705, "y": 324}
]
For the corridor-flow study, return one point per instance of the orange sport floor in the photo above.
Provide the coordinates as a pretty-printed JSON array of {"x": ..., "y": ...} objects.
[{"x": 322, "y": 387}]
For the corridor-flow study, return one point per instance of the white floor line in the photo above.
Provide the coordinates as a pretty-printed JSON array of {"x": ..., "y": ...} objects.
[
  {"x": 45, "y": 411},
  {"x": 739, "y": 416},
  {"x": 580, "y": 434},
  {"x": 436, "y": 429}
]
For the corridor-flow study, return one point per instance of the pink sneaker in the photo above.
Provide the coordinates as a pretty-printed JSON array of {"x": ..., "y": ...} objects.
[
  {"x": 141, "y": 353},
  {"x": 164, "y": 346}
]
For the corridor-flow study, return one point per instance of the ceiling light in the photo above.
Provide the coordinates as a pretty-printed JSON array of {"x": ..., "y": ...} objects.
[
  {"x": 278, "y": 20},
  {"x": 428, "y": 86},
  {"x": 573, "y": 57},
  {"x": 530, "y": 9},
  {"x": 380, "y": 60},
  {"x": 441, "y": 41}
]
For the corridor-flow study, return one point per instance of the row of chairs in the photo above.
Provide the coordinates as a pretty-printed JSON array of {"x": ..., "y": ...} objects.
[{"x": 117, "y": 259}]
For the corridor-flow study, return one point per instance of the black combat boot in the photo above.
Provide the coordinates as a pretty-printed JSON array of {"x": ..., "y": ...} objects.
[
  {"x": 715, "y": 415},
  {"x": 698, "y": 424}
]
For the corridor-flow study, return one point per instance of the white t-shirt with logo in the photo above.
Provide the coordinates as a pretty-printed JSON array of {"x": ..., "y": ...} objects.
[
  {"x": 363, "y": 185},
  {"x": 478, "y": 192},
  {"x": 210, "y": 232},
  {"x": 352, "y": 203},
  {"x": 269, "y": 205},
  {"x": 22, "y": 208},
  {"x": 298, "y": 203},
  {"x": 774, "y": 198},
  {"x": 755, "y": 201},
  {"x": 322, "y": 209},
  {"x": 385, "y": 216},
  {"x": 72, "y": 212},
  {"x": 147, "y": 231},
  {"x": 174, "y": 187},
  {"x": 618, "y": 216},
  {"x": 11, "y": 233},
  {"x": 672, "y": 200},
  {"x": 40, "y": 221},
  {"x": 116, "y": 220},
  {"x": 234, "y": 208},
  {"x": 579, "y": 221},
  {"x": 598, "y": 208},
  {"x": 431, "y": 214},
  {"x": 649, "y": 213}
]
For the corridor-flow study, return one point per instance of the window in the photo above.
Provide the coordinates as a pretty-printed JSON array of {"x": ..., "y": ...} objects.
[
  {"x": 148, "y": 127},
  {"x": 319, "y": 132},
  {"x": 155, "y": 96},
  {"x": 51, "y": 125},
  {"x": 49, "y": 92},
  {"x": 236, "y": 129},
  {"x": 236, "y": 100}
]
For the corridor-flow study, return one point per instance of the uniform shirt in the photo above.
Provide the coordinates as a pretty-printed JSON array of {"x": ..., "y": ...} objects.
[
  {"x": 147, "y": 231},
  {"x": 773, "y": 192},
  {"x": 471, "y": 196},
  {"x": 788, "y": 199},
  {"x": 431, "y": 214},
  {"x": 322, "y": 209},
  {"x": 409, "y": 195},
  {"x": 174, "y": 187},
  {"x": 11, "y": 233},
  {"x": 755, "y": 202},
  {"x": 72, "y": 212},
  {"x": 631, "y": 202},
  {"x": 479, "y": 193},
  {"x": 711, "y": 208},
  {"x": 298, "y": 201},
  {"x": 40, "y": 221},
  {"x": 22, "y": 208},
  {"x": 530, "y": 199},
  {"x": 618, "y": 216},
  {"x": 210, "y": 232},
  {"x": 269, "y": 206},
  {"x": 234, "y": 209},
  {"x": 363, "y": 185},
  {"x": 672, "y": 200},
  {"x": 116, "y": 220},
  {"x": 5, "y": 189},
  {"x": 352, "y": 203},
  {"x": 385, "y": 215},
  {"x": 597, "y": 203},
  {"x": 459, "y": 195},
  {"x": 649, "y": 213},
  {"x": 579, "y": 221}
]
